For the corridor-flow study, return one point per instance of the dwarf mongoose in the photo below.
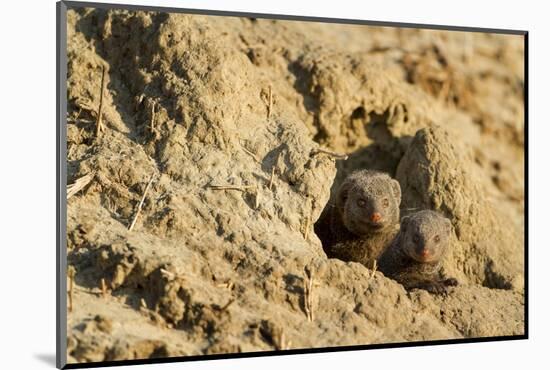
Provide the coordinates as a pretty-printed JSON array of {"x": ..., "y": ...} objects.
[
  {"x": 365, "y": 218},
  {"x": 414, "y": 257}
]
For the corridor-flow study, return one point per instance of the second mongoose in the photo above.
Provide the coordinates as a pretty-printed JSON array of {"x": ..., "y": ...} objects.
[{"x": 414, "y": 257}]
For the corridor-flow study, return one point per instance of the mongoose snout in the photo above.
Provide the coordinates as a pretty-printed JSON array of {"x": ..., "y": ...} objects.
[
  {"x": 421, "y": 250},
  {"x": 376, "y": 217},
  {"x": 424, "y": 254}
]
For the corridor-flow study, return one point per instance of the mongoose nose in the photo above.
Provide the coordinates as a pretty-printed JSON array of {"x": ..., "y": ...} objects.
[
  {"x": 425, "y": 253},
  {"x": 376, "y": 217}
]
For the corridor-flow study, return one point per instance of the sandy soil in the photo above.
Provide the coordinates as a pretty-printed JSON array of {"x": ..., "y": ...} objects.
[{"x": 198, "y": 102}]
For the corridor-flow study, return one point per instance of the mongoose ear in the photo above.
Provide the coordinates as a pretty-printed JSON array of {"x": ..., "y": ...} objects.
[
  {"x": 404, "y": 222},
  {"x": 396, "y": 188},
  {"x": 343, "y": 193}
]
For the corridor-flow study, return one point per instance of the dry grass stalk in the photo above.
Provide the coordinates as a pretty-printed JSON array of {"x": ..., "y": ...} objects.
[
  {"x": 170, "y": 275},
  {"x": 250, "y": 154},
  {"x": 272, "y": 178},
  {"x": 99, "y": 125},
  {"x": 141, "y": 202},
  {"x": 167, "y": 274},
  {"x": 374, "y": 267},
  {"x": 71, "y": 272},
  {"x": 307, "y": 226},
  {"x": 308, "y": 293},
  {"x": 227, "y": 285},
  {"x": 226, "y": 306},
  {"x": 257, "y": 198},
  {"x": 143, "y": 304},
  {"x": 103, "y": 288},
  {"x": 280, "y": 341},
  {"x": 152, "y": 124},
  {"x": 330, "y": 153},
  {"x": 78, "y": 114},
  {"x": 270, "y": 102},
  {"x": 232, "y": 187},
  {"x": 79, "y": 184}
]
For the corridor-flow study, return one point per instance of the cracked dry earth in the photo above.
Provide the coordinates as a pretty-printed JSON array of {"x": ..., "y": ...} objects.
[{"x": 197, "y": 102}]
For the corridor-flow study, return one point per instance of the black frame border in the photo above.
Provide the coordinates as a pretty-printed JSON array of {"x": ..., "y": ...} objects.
[
  {"x": 61, "y": 188},
  {"x": 61, "y": 177}
]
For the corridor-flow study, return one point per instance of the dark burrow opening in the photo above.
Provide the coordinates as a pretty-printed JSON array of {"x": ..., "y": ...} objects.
[
  {"x": 382, "y": 154},
  {"x": 370, "y": 157}
]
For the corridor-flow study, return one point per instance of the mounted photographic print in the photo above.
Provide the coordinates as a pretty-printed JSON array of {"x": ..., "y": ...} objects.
[{"x": 237, "y": 184}]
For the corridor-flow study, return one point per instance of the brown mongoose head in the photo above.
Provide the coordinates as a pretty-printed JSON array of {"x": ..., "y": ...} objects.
[
  {"x": 368, "y": 202},
  {"x": 424, "y": 236}
]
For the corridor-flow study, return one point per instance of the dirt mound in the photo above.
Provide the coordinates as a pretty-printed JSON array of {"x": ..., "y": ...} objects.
[
  {"x": 226, "y": 117},
  {"x": 437, "y": 172}
]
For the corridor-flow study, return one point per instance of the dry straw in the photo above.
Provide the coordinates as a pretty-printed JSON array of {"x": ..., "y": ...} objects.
[
  {"x": 143, "y": 304},
  {"x": 227, "y": 285},
  {"x": 227, "y": 305},
  {"x": 71, "y": 272},
  {"x": 307, "y": 223},
  {"x": 307, "y": 226},
  {"x": 272, "y": 178},
  {"x": 308, "y": 293},
  {"x": 280, "y": 341},
  {"x": 99, "y": 124},
  {"x": 257, "y": 199},
  {"x": 232, "y": 187},
  {"x": 167, "y": 274},
  {"x": 170, "y": 275},
  {"x": 103, "y": 288},
  {"x": 141, "y": 203},
  {"x": 247, "y": 151},
  {"x": 79, "y": 184},
  {"x": 329, "y": 153},
  {"x": 152, "y": 124}
]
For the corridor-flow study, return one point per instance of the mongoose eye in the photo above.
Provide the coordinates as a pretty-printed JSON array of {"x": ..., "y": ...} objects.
[
  {"x": 361, "y": 202},
  {"x": 386, "y": 203},
  {"x": 436, "y": 239},
  {"x": 416, "y": 238}
]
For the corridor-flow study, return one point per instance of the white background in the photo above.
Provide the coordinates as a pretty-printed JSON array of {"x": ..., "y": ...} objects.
[{"x": 27, "y": 182}]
